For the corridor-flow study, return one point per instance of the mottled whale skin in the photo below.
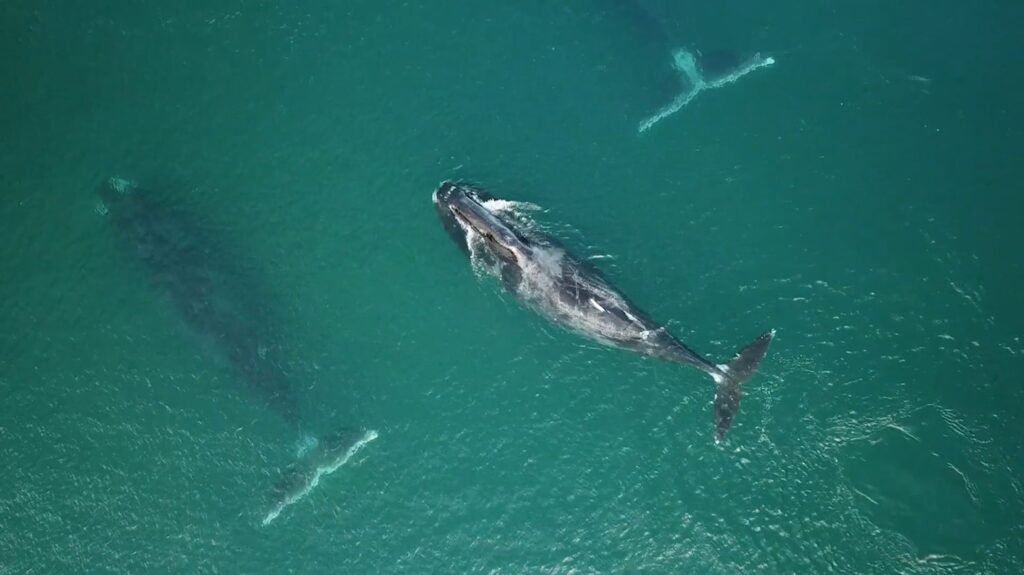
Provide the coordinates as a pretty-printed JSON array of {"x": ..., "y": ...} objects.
[
  {"x": 548, "y": 279},
  {"x": 208, "y": 288}
]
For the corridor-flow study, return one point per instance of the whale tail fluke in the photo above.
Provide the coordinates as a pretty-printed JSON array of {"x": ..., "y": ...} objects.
[
  {"x": 320, "y": 458},
  {"x": 730, "y": 377},
  {"x": 702, "y": 73}
]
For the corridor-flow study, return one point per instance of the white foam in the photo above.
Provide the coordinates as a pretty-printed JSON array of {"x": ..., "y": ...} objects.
[
  {"x": 320, "y": 471},
  {"x": 307, "y": 443},
  {"x": 480, "y": 258},
  {"x": 121, "y": 185},
  {"x": 496, "y": 206}
]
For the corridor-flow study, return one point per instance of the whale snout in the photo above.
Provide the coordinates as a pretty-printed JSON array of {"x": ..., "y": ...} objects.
[{"x": 446, "y": 193}]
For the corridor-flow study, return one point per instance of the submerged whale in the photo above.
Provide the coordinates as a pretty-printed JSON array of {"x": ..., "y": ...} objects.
[
  {"x": 548, "y": 279},
  {"x": 221, "y": 306},
  {"x": 212, "y": 293}
]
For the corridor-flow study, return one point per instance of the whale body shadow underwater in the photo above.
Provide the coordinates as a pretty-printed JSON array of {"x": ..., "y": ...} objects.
[{"x": 223, "y": 307}]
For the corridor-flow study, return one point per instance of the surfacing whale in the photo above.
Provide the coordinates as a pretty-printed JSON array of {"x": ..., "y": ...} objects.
[{"x": 548, "y": 279}]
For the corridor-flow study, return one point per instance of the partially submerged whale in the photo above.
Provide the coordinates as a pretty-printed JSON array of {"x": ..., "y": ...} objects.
[{"x": 560, "y": 287}]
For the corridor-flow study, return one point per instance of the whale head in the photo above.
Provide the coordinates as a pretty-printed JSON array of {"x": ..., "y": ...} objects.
[{"x": 463, "y": 213}]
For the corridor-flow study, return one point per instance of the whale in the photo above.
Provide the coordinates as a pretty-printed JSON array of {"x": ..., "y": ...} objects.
[
  {"x": 571, "y": 292},
  {"x": 225, "y": 310},
  {"x": 217, "y": 298}
]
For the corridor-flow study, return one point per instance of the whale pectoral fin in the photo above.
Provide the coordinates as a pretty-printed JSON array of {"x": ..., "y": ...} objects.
[{"x": 730, "y": 377}]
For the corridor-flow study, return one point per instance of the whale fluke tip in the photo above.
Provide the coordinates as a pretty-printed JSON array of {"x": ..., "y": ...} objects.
[{"x": 730, "y": 378}]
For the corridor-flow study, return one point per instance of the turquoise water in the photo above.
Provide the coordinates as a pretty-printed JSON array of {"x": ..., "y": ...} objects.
[{"x": 859, "y": 197}]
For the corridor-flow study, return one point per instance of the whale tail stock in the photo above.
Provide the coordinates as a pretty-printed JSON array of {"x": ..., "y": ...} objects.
[{"x": 729, "y": 379}]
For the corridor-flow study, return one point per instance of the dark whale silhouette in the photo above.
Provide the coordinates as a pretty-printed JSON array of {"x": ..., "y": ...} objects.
[{"x": 208, "y": 287}]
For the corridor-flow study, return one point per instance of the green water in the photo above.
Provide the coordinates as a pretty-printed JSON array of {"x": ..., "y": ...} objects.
[{"x": 859, "y": 197}]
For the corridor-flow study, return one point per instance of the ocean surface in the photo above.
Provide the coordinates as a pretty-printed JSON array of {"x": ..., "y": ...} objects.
[{"x": 861, "y": 196}]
